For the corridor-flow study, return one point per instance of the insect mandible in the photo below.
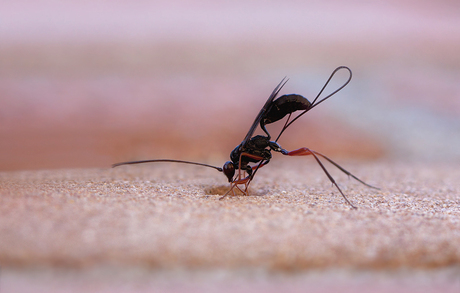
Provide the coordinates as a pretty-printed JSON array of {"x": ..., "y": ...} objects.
[{"x": 256, "y": 150}]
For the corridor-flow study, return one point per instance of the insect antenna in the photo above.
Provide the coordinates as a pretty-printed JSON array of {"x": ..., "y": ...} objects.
[
  {"x": 168, "y": 161},
  {"x": 314, "y": 103}
]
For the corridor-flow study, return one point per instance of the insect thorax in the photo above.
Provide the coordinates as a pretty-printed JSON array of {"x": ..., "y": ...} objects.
[{"x": 258, "y": 145}]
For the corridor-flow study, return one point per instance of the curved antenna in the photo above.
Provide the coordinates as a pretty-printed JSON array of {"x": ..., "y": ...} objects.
[
  {"x": 314, "y": 103},
  {"x": 166, "y": 160}
]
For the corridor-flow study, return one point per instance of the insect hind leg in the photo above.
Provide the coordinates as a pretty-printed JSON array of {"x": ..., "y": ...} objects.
[{"x": 307, "y": 152}]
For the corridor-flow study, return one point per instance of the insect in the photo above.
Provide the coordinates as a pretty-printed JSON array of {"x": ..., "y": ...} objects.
[{"x": 256, "y": 150}]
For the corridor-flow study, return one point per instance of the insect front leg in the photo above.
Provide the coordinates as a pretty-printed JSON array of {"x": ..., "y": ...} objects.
[{"x": 240, "y": 178}]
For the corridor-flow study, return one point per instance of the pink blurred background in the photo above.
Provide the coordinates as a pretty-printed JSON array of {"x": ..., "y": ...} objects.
[{"x": 91, "y": 83}]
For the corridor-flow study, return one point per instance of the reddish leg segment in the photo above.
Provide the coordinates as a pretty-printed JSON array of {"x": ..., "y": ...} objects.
[
  {"x": 246, "y": 180},
  {"x": 306, "y": 152}
]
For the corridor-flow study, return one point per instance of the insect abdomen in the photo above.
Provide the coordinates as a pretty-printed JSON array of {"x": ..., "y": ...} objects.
[{"x": 284, "y": 105}]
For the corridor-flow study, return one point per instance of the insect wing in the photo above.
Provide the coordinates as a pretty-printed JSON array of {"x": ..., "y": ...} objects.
[{"x": 263, "y": 110}]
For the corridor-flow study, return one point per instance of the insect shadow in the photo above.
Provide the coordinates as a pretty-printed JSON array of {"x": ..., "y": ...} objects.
[{"x": 254, "y": 152}]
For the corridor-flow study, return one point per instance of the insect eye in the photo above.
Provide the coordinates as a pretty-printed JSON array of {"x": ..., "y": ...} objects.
[{"x": 229, "y": 170}]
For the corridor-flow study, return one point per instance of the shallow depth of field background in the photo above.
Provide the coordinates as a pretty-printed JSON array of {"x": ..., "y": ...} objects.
[{"x": 90, "y": 83}]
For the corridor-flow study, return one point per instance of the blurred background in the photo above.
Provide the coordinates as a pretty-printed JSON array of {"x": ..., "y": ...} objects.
[{"x": 91, "y": 83}]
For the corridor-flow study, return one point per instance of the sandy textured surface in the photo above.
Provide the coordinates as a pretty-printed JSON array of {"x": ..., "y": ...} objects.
[
  {"x": 168, "y": 216},
  {"x": 84, "y": 84}
]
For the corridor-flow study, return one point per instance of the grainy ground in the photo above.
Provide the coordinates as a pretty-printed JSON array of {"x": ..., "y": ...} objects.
[{"x": 167, "y": 217}]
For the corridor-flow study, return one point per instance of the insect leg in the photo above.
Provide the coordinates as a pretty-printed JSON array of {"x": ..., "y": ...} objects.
[
  {"x": 306, "y": 152},
  {"x": 235, "y": 183},
  {"x": 246, "y": 180}
]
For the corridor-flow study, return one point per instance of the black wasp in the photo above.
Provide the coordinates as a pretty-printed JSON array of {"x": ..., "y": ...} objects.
[{"x": 257, "y": 149}]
